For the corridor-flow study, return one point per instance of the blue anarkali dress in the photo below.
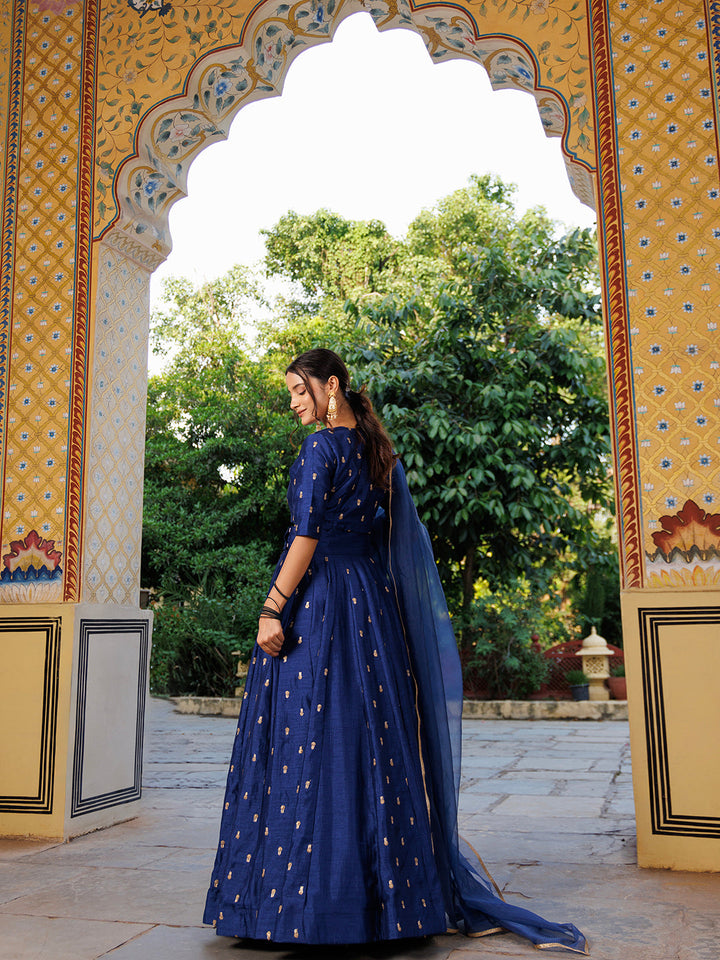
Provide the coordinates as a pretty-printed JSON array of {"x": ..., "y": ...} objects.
[{"x": 340, "y": 817}]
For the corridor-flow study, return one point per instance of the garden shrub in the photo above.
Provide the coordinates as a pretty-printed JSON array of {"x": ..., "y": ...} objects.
[
  {"x": 502, "y": 639},
  {"x": 199, "y": 624}
]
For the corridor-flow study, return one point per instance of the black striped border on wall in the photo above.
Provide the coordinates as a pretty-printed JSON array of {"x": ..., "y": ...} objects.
[
  {"x": 80, "y": 804},
  {"x": 42, "y": 800},
  {"x": 665, "y": 819}
]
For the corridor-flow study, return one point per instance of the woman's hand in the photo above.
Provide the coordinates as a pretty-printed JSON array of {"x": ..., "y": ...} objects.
[{"x": 270, "y": 637}]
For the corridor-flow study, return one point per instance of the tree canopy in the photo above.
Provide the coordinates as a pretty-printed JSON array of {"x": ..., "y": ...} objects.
[{"x": 480, "y": 341}]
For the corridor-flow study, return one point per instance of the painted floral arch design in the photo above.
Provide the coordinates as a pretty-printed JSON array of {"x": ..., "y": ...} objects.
[{"x": 175, "y": 130}]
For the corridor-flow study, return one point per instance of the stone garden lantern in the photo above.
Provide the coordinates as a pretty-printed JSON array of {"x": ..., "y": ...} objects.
[{"x": 596, "y": 655}]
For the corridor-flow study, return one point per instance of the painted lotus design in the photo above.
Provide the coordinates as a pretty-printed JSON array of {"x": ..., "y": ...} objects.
[
  {"x": 31, "y": 559},
  {"x": 687, "y": 550},
  {"x": 691, "y": 534}
]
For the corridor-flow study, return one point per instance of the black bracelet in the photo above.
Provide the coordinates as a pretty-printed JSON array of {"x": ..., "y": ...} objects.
[
  {"x": 284, "y": 596},
  {"x": 272, "y": 600},
  {"x": 267, "y": 613}
]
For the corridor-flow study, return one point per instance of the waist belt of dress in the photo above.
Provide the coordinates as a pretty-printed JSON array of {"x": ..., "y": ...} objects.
[{"x": 341, "y": 544}]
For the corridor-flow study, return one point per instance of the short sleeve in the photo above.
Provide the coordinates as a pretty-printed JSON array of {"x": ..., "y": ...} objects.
[{"x": 310, "y": 485}]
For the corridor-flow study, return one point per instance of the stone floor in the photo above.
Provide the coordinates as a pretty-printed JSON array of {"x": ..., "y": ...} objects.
[{"x": 547, "y": 803}]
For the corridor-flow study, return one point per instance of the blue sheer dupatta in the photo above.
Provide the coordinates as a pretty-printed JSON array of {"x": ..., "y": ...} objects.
[{"x": 471, "y": 897}]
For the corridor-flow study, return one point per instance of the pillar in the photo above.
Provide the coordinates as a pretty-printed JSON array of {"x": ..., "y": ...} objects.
[
  {"x": 74, "y": 645},
  {"x": 656, "y": 92}
]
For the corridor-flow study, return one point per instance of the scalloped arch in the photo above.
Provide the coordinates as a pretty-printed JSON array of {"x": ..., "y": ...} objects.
[{"x": 175, "y": 130}]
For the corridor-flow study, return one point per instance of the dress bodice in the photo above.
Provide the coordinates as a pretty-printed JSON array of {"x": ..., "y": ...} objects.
[{"x": 330, "y": 491}]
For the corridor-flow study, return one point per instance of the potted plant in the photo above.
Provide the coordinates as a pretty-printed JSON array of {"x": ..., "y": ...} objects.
[
  {"x": 578, "y": 683},
  {"x": 617, "y": 684}
]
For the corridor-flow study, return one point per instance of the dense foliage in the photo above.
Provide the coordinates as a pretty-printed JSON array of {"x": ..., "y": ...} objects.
[
  {"x": 201, "y": 623},
  {"x": 219, "y": 445},
  {"x": 500, "y": 659},
  {"x": 478, "y": 335}
]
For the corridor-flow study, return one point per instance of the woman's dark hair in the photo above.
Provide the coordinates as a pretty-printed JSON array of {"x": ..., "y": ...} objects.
[{"x": 323, "y": 364}]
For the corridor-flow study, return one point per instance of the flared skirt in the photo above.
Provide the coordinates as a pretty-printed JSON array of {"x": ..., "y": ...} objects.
[{"x": 325, "y": 833}]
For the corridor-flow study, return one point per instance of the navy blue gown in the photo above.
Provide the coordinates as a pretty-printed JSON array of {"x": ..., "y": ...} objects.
[
  {"x": 325, "y": 834},
  {"x": 340, "y": 816}
]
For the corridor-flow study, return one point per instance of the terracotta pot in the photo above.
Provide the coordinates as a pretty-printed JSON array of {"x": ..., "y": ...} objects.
[{"x": 617, "y": 687}]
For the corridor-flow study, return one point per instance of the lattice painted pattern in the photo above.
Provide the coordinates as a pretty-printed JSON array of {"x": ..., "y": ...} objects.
[
  {"x": 667, "y": 146},
  {"x": 114, "y": 494},
  {"x": 39, "y": 246}
]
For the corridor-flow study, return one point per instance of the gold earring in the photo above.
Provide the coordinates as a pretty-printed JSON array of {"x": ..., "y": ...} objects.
[{"x": 332, "y": 409}]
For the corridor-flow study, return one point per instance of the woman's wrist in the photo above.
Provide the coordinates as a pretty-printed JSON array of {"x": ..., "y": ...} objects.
[
  {"x": 269, "y": 613},
  {"x": 276, "y": 596}
]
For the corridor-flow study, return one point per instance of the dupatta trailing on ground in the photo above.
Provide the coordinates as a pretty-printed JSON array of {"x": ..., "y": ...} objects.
[{"x": 471, "y": 896}]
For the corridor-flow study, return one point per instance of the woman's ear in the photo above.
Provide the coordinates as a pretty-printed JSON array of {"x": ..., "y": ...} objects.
[{"x": 333, "y": 384}]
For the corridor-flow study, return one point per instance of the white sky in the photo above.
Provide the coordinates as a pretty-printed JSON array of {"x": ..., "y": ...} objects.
[{"x": 370, "y": 128}]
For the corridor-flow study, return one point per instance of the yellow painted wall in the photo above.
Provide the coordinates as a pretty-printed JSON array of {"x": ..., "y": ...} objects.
[{"x": 672, "y": 654}]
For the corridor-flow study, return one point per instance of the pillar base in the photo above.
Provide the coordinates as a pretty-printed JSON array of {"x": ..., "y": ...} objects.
[
  {"x": 73, "y": 687},
  {"x": 672, "y": 657}
]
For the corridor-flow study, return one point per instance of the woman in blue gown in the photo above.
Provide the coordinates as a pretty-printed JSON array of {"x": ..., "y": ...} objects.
[{"x": 340, "y": 817}]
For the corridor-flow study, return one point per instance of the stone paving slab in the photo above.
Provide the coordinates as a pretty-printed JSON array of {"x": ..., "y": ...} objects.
[
  {"x": 110, "y": 893},
  {"x": 525, "y": 825},
  {"x": 620, "y": 808},
  {"x": 11, "y": 849},
  {"x": 59, "y": 938},
  {"x": 503, "y": 850},
  {"x": 565, "y": 764},
  {"x": 481, "y": 761},
  {"x": 694, "y": 891},
  {"x": 547, "y": 803},
  {"x": 165, "y": 943},
  {"x": 170, "y": 830},
  {"x": 561, "y": 807},
  {"x": 585, "y": 788},
  {"x": 574, "y": 776},
  {"x": 498, "y": 785},
  {"x": 96, "y": 849},
  {"x": 30, "y": 879}
]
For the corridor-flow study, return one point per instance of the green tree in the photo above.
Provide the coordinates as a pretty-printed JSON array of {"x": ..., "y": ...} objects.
[
  {"x": 491, "y": 381},
  {"x": 232, "y": 303},
  {"x": 330, "y": 257},
  {"x": 516, "y": 257},
  {"x": 219, "y": 443},
  {"x": 479, "y": 336},
  {"x": 218, "y": 446}
]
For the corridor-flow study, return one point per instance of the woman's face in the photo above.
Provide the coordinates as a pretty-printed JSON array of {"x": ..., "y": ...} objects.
[{"x": 301, "y": 400}]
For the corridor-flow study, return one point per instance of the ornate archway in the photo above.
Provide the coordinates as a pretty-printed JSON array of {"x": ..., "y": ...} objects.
[
  {"x": 105, "y": 105},
  {"x": 174, "y": 130}
]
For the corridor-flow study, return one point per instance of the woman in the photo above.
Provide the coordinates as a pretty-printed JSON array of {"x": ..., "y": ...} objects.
[{"x": 340, "y": 815}]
